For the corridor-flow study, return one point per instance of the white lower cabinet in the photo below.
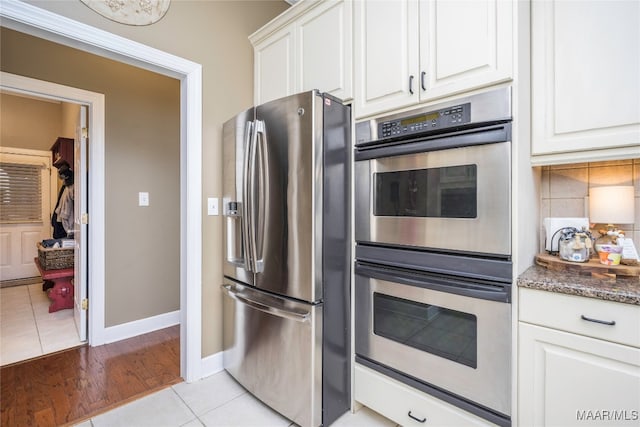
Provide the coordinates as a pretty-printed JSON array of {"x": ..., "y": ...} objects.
[
  {"x": 406, "y": 405},
  {"x": 571, "y": 380},
  {"x": 567, "y": 377}
]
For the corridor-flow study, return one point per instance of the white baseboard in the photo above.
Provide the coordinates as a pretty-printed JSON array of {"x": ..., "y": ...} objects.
[
  {"x": 139, "y": 327},
  {"x": 211, "y": 365}
]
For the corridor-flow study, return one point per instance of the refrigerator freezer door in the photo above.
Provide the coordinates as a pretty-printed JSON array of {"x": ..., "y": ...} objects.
[
  {"x": 236, "y": 135},
  {"x": 273, "y": 347},
  {"x": 290, "y": 149}
]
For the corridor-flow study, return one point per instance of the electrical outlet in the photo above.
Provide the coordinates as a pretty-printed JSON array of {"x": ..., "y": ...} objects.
[
  {"x": 143, "y": 198},
  {"x": 212, "y": 206}
]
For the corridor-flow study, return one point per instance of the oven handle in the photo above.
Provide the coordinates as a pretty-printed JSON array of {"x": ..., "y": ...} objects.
[
  {"x": 498, "y": 293},
  {"x": 464, "y": 138}
]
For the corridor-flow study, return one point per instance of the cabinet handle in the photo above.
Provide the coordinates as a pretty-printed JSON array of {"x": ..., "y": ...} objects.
[
  {"x": 416, "y": 418},
  {"x": 603, "y": 322},
  {"x": 411, "y": 84},
  {"x": 422, "y": 76}
]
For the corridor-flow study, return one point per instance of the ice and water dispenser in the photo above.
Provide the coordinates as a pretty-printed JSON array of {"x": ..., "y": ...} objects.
[{"x": 233, "y": 215}]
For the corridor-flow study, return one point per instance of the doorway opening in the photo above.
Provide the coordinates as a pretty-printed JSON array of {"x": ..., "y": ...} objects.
[
  {"x": 35, "y": 21},
  {"x": 42, "y": 310}
]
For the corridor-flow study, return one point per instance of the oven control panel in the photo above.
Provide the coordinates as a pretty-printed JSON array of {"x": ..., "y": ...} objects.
[{"x": 425, "y": 122}]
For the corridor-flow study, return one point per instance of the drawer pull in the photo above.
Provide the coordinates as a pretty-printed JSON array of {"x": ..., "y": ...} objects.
[
  {"x": 603, "y": 322},
  {"x": 416, "y": 418}
]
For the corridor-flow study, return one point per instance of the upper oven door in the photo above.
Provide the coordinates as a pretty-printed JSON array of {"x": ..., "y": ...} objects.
[{"x": 454, "y": 199}]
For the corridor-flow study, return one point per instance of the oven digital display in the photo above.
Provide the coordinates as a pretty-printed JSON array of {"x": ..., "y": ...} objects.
[
  {"x": 440, "y": 331},
  {"x": 419, "y": 119},
  {"x": 446, "y": 192}
]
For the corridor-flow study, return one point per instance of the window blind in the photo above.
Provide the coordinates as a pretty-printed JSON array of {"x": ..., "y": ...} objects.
[{"x": 20, "y": 193}]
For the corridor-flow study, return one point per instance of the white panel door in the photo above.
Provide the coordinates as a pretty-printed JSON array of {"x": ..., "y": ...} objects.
[
  {"x": 567, "y": 379},
  {"x": 80, "y": 224},
  {"x": 386, "y": 55},
  {"x": 274, "y": 66},
  {"x": 324, "y": 49},
  {"x": 18, "y": 240},
  {"x": 585, "y": 77},
  {"x": 464, "y": 44}
]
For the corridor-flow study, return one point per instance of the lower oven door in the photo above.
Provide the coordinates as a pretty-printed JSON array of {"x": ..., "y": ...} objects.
[{"x": 456, "y": 343}]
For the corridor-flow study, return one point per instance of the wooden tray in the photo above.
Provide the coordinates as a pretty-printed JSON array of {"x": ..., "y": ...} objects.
[{"x": 593, "y": 267}]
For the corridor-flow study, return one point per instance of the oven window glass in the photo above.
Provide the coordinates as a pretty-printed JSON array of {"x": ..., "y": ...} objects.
[
  {"x": 446, "y": 333},
  {"x": 447, "y": 192}
]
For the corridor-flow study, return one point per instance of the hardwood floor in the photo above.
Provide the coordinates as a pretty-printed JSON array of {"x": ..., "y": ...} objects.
[{"x": 73, "y": 385}]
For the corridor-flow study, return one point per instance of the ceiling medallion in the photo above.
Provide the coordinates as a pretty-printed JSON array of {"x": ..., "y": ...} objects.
[{"x": 130, "y": 12}]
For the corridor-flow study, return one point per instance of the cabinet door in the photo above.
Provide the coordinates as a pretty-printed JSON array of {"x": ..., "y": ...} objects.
[
  {"x": 464, "y": 45},
  {"x": 274, "y": 66},
  {"x": 585, "y": 80},
  {"x": 570, "y": 380},
  {"x": 324, "y": 49},
  {"x": 386, "y": 55}
]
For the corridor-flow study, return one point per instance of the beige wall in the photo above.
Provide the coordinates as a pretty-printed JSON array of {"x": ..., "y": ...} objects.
[
  {"x": 214, "y": 34},
  {"x": 70, "y": 116},
  {"x": 29, "y": 123},
  {"x": 142, "y": 144}
]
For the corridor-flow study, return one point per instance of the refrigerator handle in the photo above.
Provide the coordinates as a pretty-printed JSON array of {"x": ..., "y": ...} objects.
[
  {"x": 262, "y": 194},
  {"x": 246, "y": 202},
  {"x": 298, "y": 316},
  {"x": 251, "y": 199}
]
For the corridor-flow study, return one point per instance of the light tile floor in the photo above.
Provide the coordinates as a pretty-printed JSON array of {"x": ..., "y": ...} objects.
[
  {"x": 28, "y": 329},
  {"x": 217, "y": 400}
]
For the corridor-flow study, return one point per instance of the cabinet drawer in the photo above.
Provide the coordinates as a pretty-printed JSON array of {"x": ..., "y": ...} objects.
[
  {"x": 571, "y": 313},
  {"x": 396, "y": 401}
]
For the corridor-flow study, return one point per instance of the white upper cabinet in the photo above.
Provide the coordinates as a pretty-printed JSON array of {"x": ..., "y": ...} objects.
[
  {"x": 386, "y": 55},
  {"x": 409, "y": 51},
  {"x": 274, "y": 66},
  {"x": 324, "y": 50},
  {"x": 585, "y": 80},
  {"x": 464, "y": 45},
  {"x": 307, "y": 47}
]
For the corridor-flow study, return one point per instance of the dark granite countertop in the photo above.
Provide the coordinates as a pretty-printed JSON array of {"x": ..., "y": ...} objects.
[{"x": 624, "y": 290}]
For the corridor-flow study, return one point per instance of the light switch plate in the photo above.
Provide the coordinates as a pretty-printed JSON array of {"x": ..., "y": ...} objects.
[
  {"x": 212, "y": 206},
  {"x": 143, "y": 198}
]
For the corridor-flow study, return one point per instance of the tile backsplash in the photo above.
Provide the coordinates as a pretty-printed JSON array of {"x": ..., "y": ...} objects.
[{"x": 565, "y": 189}]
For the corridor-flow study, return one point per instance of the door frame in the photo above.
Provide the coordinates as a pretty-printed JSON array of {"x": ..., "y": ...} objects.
[
  {"x": 95, "y": 203},
  {"x": 38, "y": 22}
]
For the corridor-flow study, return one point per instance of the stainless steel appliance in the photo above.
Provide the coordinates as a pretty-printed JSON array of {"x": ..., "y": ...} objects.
[
  {"x": 450, "y": 337},
  {"x": 439, "y": 177},
  {"x": 433, "y": 250},
  {"x": 286, "y": 302}
]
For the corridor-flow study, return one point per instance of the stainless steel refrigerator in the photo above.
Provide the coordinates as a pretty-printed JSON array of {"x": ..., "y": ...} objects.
[{"x": 286, "y": 179}]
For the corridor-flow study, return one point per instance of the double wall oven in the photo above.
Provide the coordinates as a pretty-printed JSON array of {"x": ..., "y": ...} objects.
[{"x": 433, "y": 250}]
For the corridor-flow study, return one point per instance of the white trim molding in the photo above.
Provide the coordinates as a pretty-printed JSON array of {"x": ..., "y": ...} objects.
[
  {"x": 50, "y": 26},
  {"x": 96, "y": 229},
  {"x": 142, "y": 326},
  {"x": 212, "y": 364}
]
